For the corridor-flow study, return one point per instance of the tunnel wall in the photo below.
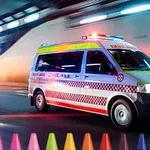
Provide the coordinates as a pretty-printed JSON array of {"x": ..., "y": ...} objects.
[{"x": 15, "y": 63}]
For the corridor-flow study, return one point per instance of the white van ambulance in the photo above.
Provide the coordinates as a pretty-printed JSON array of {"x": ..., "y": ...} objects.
[{"x": 101, "y": 74}]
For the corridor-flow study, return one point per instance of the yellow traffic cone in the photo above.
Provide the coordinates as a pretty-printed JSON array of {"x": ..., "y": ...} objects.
[{"x": 69, "y": 143}]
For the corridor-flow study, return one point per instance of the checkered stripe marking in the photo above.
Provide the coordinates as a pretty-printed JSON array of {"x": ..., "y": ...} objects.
[
  {"x": 92, "y": 85},
  {"x": 78, "y": 98},
  {"x": 100, "y": 86}
]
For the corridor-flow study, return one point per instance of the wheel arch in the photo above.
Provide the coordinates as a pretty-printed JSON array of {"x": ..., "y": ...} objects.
[
  {"x": 34, "y": 92},
  {"x": 129, "y": 101}
]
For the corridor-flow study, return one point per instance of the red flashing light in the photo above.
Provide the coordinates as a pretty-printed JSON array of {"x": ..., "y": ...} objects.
[
  {"x": 97, "y": 36},
  {"x": 94, "y": 36}
]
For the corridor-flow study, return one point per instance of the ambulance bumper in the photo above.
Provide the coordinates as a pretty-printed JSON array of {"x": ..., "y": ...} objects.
[{"x": 143, "y": 105}]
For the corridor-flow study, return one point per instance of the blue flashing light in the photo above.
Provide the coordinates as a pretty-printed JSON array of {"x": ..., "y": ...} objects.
[{"x": 116, "y": 37}]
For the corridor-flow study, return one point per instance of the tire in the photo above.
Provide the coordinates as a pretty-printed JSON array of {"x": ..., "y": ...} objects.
[
  {"x": 39, "y": 102},
  {"x": 122, "y": 114}
]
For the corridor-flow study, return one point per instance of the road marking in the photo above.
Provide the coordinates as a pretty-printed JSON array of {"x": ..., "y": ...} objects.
[
  {"x": 42, "y": 115},
  {"x": 22, "y": 91},
  {"x": 21, "y": 94}
]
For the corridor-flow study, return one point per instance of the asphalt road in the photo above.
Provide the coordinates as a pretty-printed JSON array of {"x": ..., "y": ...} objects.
[{"x": 17, "y": 116}]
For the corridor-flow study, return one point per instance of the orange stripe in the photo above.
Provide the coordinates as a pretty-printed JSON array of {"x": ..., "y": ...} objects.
[{"x": 77, "y": 107}]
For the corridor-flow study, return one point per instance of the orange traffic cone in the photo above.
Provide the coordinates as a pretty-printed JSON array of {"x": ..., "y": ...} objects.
[
  {"x": 15, "y": 143},
  {"x": 87, "y": 142},
  {"x": 69, "y": 143},
  {"x": 1, "y": 144},
  {"x": 105, "y": 142},
  {"x": 33, "y": 142}
]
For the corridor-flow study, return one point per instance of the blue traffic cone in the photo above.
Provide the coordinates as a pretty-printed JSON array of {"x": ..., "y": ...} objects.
[{"x": 141, "y": 143}]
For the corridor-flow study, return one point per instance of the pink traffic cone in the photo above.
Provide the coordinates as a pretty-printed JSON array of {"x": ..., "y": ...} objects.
[
  {"x": 33, "y": 142},
  {"x": 1, "y": 144},
  {"x": 15, "y": 143}
]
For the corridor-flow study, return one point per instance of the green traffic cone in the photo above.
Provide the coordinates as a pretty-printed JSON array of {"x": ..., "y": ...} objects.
[{"x": 51, "y": 143}]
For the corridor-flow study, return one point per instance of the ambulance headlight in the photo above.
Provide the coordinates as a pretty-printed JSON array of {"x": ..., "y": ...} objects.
[{"x": 141, "y": 88}]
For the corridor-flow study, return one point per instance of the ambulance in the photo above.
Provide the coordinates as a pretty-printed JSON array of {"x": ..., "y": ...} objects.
[{"x": 101, "y": 74}]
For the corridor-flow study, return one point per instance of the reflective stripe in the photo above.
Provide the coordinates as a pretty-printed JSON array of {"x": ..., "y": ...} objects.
[
  {"x": 77, "y": 107},
  {"x": 90, "y": 85},
  {"x": 67, "y": 47}
]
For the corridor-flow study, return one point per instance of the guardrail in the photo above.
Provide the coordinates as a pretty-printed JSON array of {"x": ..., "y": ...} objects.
[{"x": 69, "y": 143}]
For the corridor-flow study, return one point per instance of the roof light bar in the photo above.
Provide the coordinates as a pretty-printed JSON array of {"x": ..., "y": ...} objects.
[
  {"x": 95, "y": 36},
  {"x": 93, "y": 19},
  {"x": 136, "y": 9},
  {"x": 31, "y": 18}
]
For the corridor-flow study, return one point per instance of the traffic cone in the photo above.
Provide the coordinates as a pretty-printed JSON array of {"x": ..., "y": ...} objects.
[
  {"x": 105, "y": 142},
  {"x": 51, "y": 143},
  {"x": 123, "y": 142},
  {"x": 1, "y": 144},
  {"x": 15, "y": 143},
  {"x": 69, "y": 142},
  {"x": 33, "y": 142},
  {"x": 141, "y": 143},
  {"x": 87, "y": 142}
]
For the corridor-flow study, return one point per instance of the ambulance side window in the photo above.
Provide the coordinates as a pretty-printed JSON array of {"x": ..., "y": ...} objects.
[
  {"x": 98, "y": 63},
  {"x": 71, "y": 61},
  {"x": 47, "y": 63},
  {"x": 60, "y": 62}
]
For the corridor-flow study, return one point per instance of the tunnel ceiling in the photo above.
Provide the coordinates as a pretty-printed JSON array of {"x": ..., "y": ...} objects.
[
  {"x": 10, "y": 7},
  {"x": 12, "y": 10}
]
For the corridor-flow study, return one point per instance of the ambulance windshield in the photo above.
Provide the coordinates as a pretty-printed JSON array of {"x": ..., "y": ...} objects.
[{"x": 131, "y": 60}]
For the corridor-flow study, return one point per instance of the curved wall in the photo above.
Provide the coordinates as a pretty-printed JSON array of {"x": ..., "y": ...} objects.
[{"x": 16, "y": 61}]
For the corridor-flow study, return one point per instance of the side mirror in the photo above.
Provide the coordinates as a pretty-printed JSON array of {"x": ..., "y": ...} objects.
[{"x": 114, "y": 72}]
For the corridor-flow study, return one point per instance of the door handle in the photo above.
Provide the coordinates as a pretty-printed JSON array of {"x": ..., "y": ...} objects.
[
  {"x": 76, "y": 76},
  {"x": 86, "y": 76}
]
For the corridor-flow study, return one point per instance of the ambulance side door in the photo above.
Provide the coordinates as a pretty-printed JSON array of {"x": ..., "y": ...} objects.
[{"x": 98, "y": 77}]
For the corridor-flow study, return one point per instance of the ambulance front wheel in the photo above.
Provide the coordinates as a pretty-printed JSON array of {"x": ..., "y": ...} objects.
[
  {"x": 122, "y": 114},
  {"x": 39, "y": 102}
]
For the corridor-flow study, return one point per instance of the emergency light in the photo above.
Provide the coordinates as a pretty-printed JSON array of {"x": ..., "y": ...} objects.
[
  {"x": 116, "y": 37},
  {"x": 95, "y": 36}
]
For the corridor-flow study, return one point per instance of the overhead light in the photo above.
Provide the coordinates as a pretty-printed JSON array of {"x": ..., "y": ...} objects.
[
  {"x": 136, "y": 9},
  {"x": 1, "y": 28},
  {"x": 93, "y": 19},
  {"x": 31, "y": 18},
  {"x": 13, "y": 24},
  {"x": 10, "y": 18},
  {"x": 1, "y": 22},
  {"x": 31, "y": 9},
  {"x": 19, "y": 14}
]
